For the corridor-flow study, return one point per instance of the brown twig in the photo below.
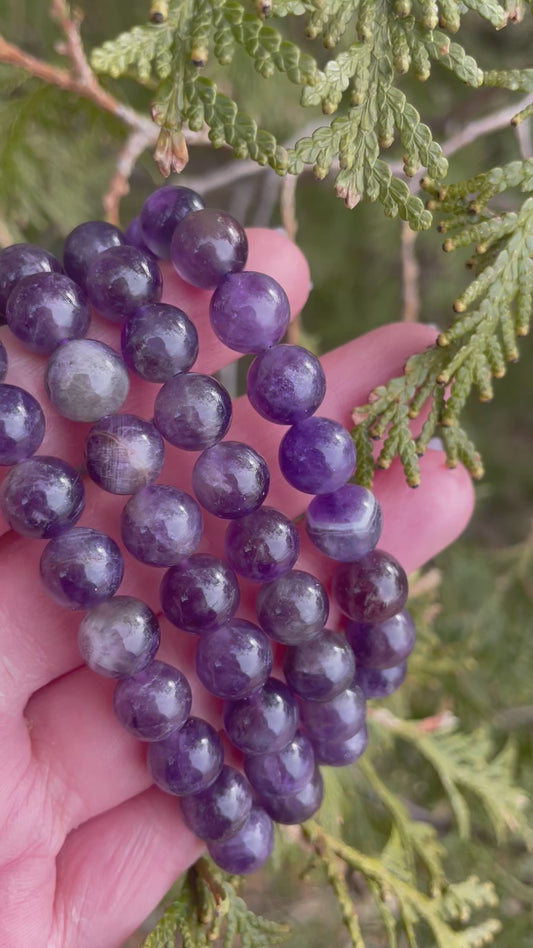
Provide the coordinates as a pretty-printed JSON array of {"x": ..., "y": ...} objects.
[{"x": 410, "y": 275}]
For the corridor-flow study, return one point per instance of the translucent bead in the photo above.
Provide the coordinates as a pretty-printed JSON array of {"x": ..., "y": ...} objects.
[
  {"x": 380, "y": 682},
  {"x": 345, "y": 524},
  {"x": 295, "y": 807},
  {"x": 341, "y": 753},
  {"x": 154, "y": 702},
  {"x": 161, "y": 213},
  {"x": 46, "y": 309},
  {"x": 85, "y": 380},
  {"x": 264, "y": 721},
  {"x": 284, "y": 771},
  {"x": 249, "y": 848},
  {"x": 192, "y": 411},
  {"x": 121, "y": 279},
  {"x": 81, "y": 568},
  {"x": 230, "y": 479},
  {"x": 371, "y": 589},
  {"x": 206, "y": 245},
  {"x": 42, "y": 497},
  {"x": 263, "y": 545},
  {"x": 21, "y": 424},
  {"x": 123, "y": 453},
  {"x": 383, "y": 644},
  {"x": 220, "y": 811},
  {"x": 19, "y": 261},
  {"x": 249, "y": 311},
  {"x": 161, "y": 525},
  {"x": 119, "y": 637},
  {"x": 292, "y": 609},
  {"x": 158, "y": 341},
  {"x": 317, "y": 455},
  {"x": 85, "y": 243},
  {"x": 187, "y": 761},
  {"x": 199, "y": 594},
  {"x": 334, "y": 720},
  {"x": 320, "y": 669},
  {"x": 233, "y": 660},
  {"x": 286, "y": 384}
]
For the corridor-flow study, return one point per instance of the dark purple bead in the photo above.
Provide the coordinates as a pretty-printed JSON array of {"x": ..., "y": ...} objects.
[
  {"x": 380, "y": 682},
  {"x": 85, "y": 243},
  {"x": 161, "y": 213},
  {"x": 121, "y": 279},
  {"x": 85, "y": 380},
  {"x": 187, "y": 761},
  {"x": 286, "y": 384},
  {"x": 133, "y": 235},
  {"x": 293, "y": 609},
  {"x": 372, "y": 589},
  {"x": 21, "y": 260},
  {"x": 161, "y": 525},
  {"x": 192, "y": 411},
  {"x": 249, "y": 848},
  {"x": 264, "y": 721},
  {"x": 263, "y": 545},
  {"x": 81, "y": 568},
  {"x": 335, "y": 720},
  {"x": 119, "y": 637},
  {"x": 45, "y": 309},
  {"x": 21, "y": 424},
  {"x": 317, "y": 455},
  {"x": 123, "y": 453},
  {"x": 200, "y": 593},
  {"x": 206, "y": 245},
  {"x": 284, "y": 771},
  {"x": 233, "y": 660},
  {"x": 341, "y": 753},
  {"x": 230, "y": 479},
  {"x": 296, "y": 807},
  {"x": 220, "y": 811},
  {"x": 153, "y": 702},
  {"x": 249, "y": 311},
  {"x": 42, "y": 497},
  {"x": 345, "y": 524},
  {"x": 3, "y": 361},
  {"x": 385, "y": 644},
  {"x": 159, "y": 341},
  {"x": 321, "y": 669}
]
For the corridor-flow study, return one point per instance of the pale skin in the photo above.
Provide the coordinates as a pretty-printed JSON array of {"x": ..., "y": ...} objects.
[{"x": 87, "y": 845}]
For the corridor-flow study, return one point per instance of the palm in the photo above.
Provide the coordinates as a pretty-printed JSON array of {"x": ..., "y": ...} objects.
[{"x": 88, "y": 846}]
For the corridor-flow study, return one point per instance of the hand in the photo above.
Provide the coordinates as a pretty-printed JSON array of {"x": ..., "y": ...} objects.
[{"x": 88, "y": 846}]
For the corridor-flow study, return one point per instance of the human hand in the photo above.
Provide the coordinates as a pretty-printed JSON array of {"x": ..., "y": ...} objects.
[{"x": 88, "y": 846}]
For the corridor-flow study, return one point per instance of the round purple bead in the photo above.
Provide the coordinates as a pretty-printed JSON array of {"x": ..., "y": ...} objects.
[
  {"x": 249, "y": 311},
  {"x": 123, "y": 453},
  {"x": 230, "y": 479},
  {"x": 192, "y": 411},
  {"x": 380, "y": 682},
  {"x": 345, "y": 524},
  {"x": 371, "y": 589},
  {"x": 161, "y": 525},
  {"x": 45, "y": 309},
  {"x": 233, "y": 660},
  {"x": 21, "y": 424},
  {"x": 19, "y": 261},
  {"x": 159, "y": 341},
  {"x": 187, "y": 761},
  {"x": 296, "y": 807},
  {"x": 320, "y": 669},
  {"x": 161, "y": 213},
  {"x": 263, "y": 545},
  {"x": 153, "y": 702},
  {"x": 335, "y": 720},
  {"x": 119, "y": 637},
  {"x": 286, "y": 384},
  {"x": 3, "y": 361},
  {"x": 249, "y": 848},
  {"x": 384, "y": 644},
  {"x": 133, "y": 235},
  {"x": 341, "y": 753},
  {"x": 220, "y": 811},
  {"x": 42, "y": 497},
  {"x": 199, "y": 594},
  {"x": 121, "y": 279},
  {"x": 317, "y": 455},
  {"x": 85, "y": 380},
  {"x": 292, "y": 609},
  {"x": 284, "y": 771},
  {"x": 264, "y": 721},
  {"x": 85, "y": 243},
  {"x": 206, "y": 245},
  {"x": 81, "y": 568}
]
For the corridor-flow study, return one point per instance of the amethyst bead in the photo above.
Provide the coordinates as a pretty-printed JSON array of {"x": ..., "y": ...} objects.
[
  {"x": 21, "y": 424},
  {"x": 341, "y": 753},
  {"x": 121, "y": 279},
  {"x": 233, "y": 660},
  {"x": 286, "y": 384},
  {"x": 161, "y": 525},
  {"x": 372, "y": 589},
  {"x": 263, "y": 722},
  {"x": 85, "y": 380},
  {"x": 220, "y": 811},
  {"x": 161, "y": 213},
  {"x": 206, "y": 245},
  {"x": 85, "y": 243},
  {"x": 284, "y": 771},
  {"x": 263, "y": 545},
  {"x": 187, "y": 761},
  {"x": 153, "y": 702},
  {"x": 380, "y": 682},
  {"x": 385, "y": 644},
  {"x": 249, "y": 311},
  {"x": 321, "y": 669},
  {"x": 317, "y": 455},
  {"x": 292, "y": 609},
  {"x": 123, "y": 453},
  {"x": 81, "y": 568},
  {"x": 345, "y": 524},
  {"x": 192, "y": 411},
  {"x": 119, "y": 637},
  {"x": 335, "y": 720},
  {"x": 296, "y": 807},
  {"x": 230, "y": 479},
  {"x": 42, "y": 497},
  {"x": 21, "y": 260},
  {"x": 199, "y": 594},
  {"x": 249, "y": 848},
  {"x": 3, "y": 361},
  {"x": 133, "y": 235},
  {"x": 45, "y": 309},
  {"x": 159, "y": 341}
]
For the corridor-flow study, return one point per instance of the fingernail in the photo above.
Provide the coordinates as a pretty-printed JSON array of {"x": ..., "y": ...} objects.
[
  {"x": 434, "y": 326},
  {"x": 311, "y": 285},
  {"x": 436, "y": 444}
]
